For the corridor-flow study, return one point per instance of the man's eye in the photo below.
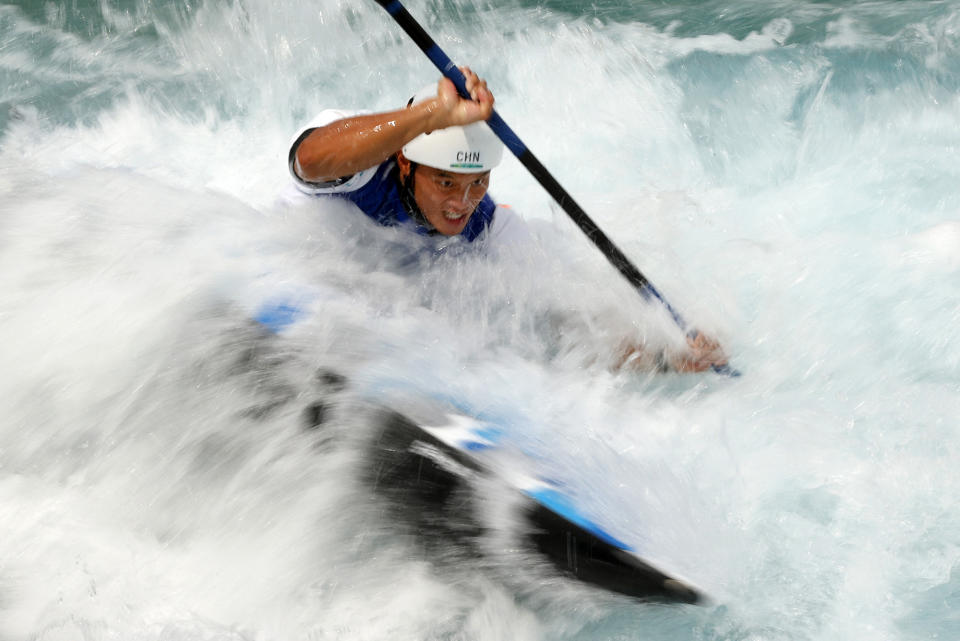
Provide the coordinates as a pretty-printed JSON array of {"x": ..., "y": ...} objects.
[{"x": 445, "y": 184}]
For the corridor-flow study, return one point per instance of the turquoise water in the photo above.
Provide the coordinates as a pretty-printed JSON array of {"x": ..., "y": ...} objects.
[{"x": 785, "y": 172}]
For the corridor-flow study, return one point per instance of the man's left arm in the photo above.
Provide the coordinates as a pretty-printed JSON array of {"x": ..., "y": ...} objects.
[{"x": 702, "y": 352}]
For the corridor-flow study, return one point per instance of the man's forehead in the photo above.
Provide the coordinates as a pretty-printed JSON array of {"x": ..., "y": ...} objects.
[{"x": 442, "y": 173}]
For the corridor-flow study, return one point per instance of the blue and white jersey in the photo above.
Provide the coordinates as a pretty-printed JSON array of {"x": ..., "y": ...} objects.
[{"x": 376, "y": 192}]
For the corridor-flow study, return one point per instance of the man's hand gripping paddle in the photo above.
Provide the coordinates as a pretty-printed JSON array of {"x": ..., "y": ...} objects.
[{"x": 539, "y": 172}]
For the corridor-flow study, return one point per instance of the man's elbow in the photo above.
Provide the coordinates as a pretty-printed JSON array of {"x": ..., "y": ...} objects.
[{"x": 310, "y": 166}]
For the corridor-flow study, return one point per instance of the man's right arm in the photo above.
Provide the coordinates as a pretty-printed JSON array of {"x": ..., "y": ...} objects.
[{"x": 350, "y": 145}]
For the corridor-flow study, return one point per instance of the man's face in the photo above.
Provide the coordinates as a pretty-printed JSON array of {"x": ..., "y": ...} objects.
[{"x": 447, "y": 199}]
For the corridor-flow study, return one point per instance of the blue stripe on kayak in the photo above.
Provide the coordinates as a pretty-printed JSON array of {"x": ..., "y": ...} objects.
[
  {"x": 394, "y": 7},
  {"x": 277, "y": 317},
  {"x": 559, "y": 503},
  {"x": 489, "y": 433},
  {"x": 475, "y": 446}
]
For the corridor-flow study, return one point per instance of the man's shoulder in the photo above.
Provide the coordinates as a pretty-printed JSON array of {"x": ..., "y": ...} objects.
[
  {"x": 341, "y": 185},
  {"x": 508, "y": 227},
  {"x": 321, "y": 119},
  {"x": 327, "y": 116}
]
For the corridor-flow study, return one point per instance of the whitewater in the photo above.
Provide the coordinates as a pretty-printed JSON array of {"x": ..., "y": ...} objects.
[{"x": 785, "y": 173}]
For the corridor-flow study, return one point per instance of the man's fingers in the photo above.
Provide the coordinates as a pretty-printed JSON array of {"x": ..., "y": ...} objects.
[
  {"x": 704, "y": 353},
  {"x": 463, "y": 111},
  {"x": 471, "y": 81},
  {"x": 476, "y": 86}
]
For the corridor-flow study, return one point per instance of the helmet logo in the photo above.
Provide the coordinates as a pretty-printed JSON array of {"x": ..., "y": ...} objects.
[{"x": 467, "y": 160}]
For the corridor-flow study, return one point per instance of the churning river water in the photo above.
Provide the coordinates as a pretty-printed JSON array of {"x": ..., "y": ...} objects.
[{"x": 786, "y": 173}]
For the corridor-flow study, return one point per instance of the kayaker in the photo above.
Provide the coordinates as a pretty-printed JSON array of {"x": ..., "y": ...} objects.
[{"x": 427, "y": 166}]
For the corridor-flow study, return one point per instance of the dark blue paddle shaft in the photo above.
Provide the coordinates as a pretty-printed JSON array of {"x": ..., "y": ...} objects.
[{"x": 536, "y": 168}]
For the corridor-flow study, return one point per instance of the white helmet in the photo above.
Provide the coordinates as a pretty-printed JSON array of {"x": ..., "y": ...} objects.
[{"x": 468, "y": 149}]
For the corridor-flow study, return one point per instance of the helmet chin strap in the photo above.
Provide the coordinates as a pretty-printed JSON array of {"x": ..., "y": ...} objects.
[{"x": 410, "y": 202}]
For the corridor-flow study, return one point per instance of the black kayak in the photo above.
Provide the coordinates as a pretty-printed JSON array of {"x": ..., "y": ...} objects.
[{"x": 426, "y": 468}]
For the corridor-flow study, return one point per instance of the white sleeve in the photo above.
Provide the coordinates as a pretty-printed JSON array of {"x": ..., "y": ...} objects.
[
  {"x": 508, "y": 228},
  {"x": 343, "y": 184}
]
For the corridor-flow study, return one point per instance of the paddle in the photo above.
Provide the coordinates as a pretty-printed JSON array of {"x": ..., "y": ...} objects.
[{"x": 538, "y": 171}]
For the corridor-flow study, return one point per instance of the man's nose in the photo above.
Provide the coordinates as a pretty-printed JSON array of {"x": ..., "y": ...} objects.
[{"x": 464, "y": 199}]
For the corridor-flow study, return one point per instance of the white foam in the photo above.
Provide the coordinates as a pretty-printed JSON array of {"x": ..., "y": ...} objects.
[{"x": 810, "y": 224}]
